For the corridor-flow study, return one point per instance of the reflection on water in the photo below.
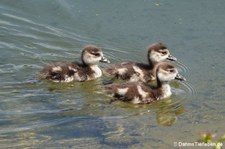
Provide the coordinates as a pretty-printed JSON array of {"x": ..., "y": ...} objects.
[
  {"x": 42, "y": 114},
  {"x": 166, "y": 114}
]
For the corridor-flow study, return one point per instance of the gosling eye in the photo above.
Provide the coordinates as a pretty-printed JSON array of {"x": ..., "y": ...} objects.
[
  {"x": 172, "y": 70},
  {"x": 164, "y": 52},
  {"x": 96, "y": 54}
]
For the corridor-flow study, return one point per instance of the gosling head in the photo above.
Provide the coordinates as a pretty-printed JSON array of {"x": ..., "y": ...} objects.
[
  {"x": 92, "y": 55},
  {"x": 166, "y": 72},
  {"x": 159, "y": 52}
]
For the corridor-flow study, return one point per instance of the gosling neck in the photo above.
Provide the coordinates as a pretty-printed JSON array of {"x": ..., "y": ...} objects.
[{"x": 163, "y": 89}]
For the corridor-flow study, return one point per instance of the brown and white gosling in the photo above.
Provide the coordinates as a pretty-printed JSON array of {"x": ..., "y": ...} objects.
[
  {"x": 142, "y": 93},
  {"x": 132, "y": 71},
  {"x": 75, "y": 71}
]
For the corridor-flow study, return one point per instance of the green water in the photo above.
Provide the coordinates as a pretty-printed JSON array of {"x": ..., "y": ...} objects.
[{"x": 42, "y": 114}]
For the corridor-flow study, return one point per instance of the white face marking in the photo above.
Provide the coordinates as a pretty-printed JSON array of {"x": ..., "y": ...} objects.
[
  {"x": 97, "y": 70},
  {"x": 91, "y": 59},
  {"x": 156, "y": 57},
  {"x": 136, "y": 100},
  {"x": 122, "y": 71},
  {"x": 165, "y": 76},
  {"x": 122, "y": 91},
  {"x": 57, "y": 68},
  {"x": 142, "y": 92}
]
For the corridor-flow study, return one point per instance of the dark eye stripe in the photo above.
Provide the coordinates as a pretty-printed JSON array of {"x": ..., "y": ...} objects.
[
  {"x": 164, "y": 52},
  {"x": 171, "y": 70},
  {"x": 96, "y": 54}
]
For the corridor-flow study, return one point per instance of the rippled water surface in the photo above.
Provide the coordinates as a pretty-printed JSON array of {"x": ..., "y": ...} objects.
[{"x": 42, "y": 114}]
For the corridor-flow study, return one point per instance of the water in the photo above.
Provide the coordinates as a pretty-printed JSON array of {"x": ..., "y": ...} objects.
[{"x": 41, "y": 114}]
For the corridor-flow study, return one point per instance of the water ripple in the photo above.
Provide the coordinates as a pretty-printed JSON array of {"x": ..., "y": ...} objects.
[
  {"x": 18, "y": 18},
  {"x": 40, "y": 30},
  {"x": 189, "y": 87},
  {"x": 182, "y": 67},
  {"x": 7, "y": 23},
  {"x": 35, "y": 125}
]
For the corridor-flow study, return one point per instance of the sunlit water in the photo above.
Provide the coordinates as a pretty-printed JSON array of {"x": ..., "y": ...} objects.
[{"x": 42, "y": 114}]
